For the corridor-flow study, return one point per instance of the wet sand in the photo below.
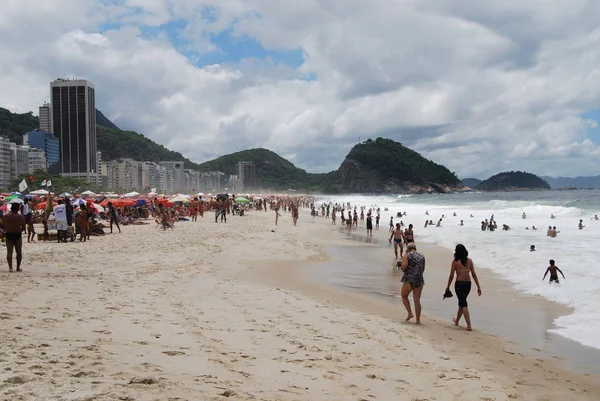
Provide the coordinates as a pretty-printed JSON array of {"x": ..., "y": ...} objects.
[{"x": 369, "y": 270}]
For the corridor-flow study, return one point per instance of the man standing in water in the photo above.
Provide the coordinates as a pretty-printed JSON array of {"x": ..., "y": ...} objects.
[
  {"x": 552, "y": 269},
  {"x": 398, "y": 236},
  {"x": 14, "y": 225}
]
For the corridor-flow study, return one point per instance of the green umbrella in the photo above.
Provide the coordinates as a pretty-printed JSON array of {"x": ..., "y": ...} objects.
[{"x": 241, "y": 199}]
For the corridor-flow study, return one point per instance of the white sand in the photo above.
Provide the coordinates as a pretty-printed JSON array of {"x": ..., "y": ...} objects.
[{"x": 152, "y": 315}]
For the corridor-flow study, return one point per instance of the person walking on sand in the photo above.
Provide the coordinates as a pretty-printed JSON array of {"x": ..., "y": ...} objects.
[
  {"x": 552, "y": 269},
  {"x": 397, "y": 235},
  {"x": 113, "y": 216},
  {"x": 413, "y": 266},
  {"x": 14, "y": 226},
  {"x": 463, "y": 267}
]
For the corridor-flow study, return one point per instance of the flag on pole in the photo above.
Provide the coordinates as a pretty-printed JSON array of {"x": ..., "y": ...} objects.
[
  {"x": 49, "y": 183},
  {"x": 44, "y": 183},
  {"x": 22, "y": 186}
]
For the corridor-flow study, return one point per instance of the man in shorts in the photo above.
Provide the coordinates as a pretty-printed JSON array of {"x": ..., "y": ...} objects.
[
  {"x": 60, "y": 213},
  {"x": 14, "y": 226},
  {"x": 553, "y": 269},
  {"x": 397, "y": 236}
]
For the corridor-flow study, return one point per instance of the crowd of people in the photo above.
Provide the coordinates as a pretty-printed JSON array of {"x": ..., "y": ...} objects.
[{"x": 72, "y": 217}]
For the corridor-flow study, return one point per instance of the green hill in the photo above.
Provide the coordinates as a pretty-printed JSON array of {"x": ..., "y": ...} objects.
[
  {"x": 513, "y": 181},
  {"x": 13, "y": 125},
  {"x": 471, "y": 182},
  {"x": 385, "y": 166},
  {"x": 272, "y": 170},
  {"x": 117, "y": 144}
]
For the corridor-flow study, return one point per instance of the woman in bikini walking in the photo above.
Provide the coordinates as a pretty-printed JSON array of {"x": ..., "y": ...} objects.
[{"x": 463, "y": 267}]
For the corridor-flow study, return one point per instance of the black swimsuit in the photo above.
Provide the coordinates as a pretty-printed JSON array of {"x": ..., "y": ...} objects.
[
  {"x": 14, "y": 237},
  {"x": 462, "y": 289}
]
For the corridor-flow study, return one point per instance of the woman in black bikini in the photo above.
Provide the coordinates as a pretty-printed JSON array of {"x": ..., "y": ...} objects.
[{"x": 462, "y": 265}]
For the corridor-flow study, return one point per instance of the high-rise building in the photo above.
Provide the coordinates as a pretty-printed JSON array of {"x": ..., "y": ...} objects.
[
  {"x": 74, "y": 123},
  {"x": 175, "y": 177},
  {"x": 247, "y": 176},
  {"x": 5, "y": 163},
  {"x": 44, "y": 140},
  {"x": 45, "y": 117}
]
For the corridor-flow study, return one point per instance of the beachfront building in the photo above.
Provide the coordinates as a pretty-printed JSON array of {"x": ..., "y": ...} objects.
[
  {"x": 44, "y": 140},
  {"x": 143, "y": 176},
  {"x": 121, "y": 175},
  {"x": 175, "y": 176},
  {"x": 193, "y": 181},
  {"x": 213, "y": 182},
  {"x": 235, "y": 184},
  {"x": 157, "y": 177},
  {"x": 19, "y": 160},
  {"x": 73, "y": 121},
  {"x": 37, "y": 160},
  {"x": 45, "y": 117},
  {"x": 5, "y": 163},
  {"x": 247, "y": 175}
]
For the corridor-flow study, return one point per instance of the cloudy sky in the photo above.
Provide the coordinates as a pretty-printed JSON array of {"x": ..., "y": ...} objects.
[{"x": 479, "y": 86}]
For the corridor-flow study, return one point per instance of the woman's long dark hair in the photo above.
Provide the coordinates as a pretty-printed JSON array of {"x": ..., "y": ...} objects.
[{"x": 461, "y": 253}]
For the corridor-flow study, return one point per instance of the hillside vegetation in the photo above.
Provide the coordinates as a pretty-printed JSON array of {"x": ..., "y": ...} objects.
[
  {"x": 383, "y": 165},
  {"x": 272, "y": 170},
  {"x": 513, "y": 181},
  {"x": 13, "y": 125}
]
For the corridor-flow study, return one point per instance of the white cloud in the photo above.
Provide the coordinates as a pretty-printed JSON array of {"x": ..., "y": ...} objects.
[{"x": 477, "y": 86}]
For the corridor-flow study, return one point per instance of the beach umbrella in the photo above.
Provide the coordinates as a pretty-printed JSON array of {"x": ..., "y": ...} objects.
[
  {"x": 63, "y": 195},
  {"x": 180, "y": 198},
  {"x": 96, "y": 206},
  {"x": 78, "y": 202},
  {"x": 42, "y": 205},
  {"x": 131, "y": 194},
  {"x": 140, "y": 202},
  {"x": 16, "y": 200},
  {"x": 241, "y": 199},
  {"x": 16, "y": 193},
  {"x": 88, "y": 193}
]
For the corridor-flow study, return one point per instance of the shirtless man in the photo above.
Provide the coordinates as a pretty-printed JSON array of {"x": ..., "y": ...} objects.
[
  {"x": 397, "y": 235},
  {"x": 552, "y": 269},
  {"x": 14, "y": 225}
]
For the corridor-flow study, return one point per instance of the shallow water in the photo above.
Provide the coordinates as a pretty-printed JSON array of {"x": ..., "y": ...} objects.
[
  {"x": 526, "y": 320},
  {"x": 507, "y": 252}
]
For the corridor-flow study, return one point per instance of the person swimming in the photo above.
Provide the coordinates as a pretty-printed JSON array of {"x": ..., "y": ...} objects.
[{"x": 552, "y": 269}]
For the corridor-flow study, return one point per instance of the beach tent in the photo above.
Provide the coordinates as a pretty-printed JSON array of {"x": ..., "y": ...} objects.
[{"x": 39, "y": 192}]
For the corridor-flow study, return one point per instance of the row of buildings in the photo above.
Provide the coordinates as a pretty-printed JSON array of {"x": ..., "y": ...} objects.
[
  {"x": 126, "y": 175},
  {"x": 66, "y": 144}
]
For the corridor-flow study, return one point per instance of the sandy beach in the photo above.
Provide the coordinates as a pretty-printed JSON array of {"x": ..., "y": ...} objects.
[{"x": 220, "y": 311}]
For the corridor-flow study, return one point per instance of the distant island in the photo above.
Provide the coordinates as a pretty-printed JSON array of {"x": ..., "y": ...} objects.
[
  {"x": 513, "y": 181},
  {"x": 471, "y": 182}
]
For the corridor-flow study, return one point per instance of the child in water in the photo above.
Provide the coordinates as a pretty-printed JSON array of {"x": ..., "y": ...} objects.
[{"x": 553, "y": 275}]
